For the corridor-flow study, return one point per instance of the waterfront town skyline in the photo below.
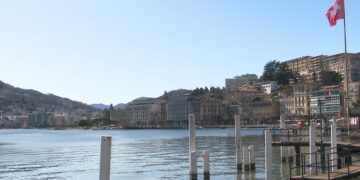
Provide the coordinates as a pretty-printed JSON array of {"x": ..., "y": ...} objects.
[
  {"x": 110, "y": 52},
  {"x": 292, "y": 88}
]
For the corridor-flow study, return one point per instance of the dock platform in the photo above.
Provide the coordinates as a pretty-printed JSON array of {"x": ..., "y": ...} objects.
[{"x": 340, "y": 174}]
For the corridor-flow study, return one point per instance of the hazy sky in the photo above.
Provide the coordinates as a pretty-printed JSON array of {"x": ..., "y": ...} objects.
[{"x": 117, "y": 50}]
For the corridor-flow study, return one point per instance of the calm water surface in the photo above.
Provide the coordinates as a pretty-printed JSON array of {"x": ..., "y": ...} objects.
[{"x": 136, "y": 154}]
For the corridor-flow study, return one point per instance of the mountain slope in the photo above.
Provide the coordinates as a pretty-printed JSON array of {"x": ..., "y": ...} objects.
[{"x": 24, "y": 100}]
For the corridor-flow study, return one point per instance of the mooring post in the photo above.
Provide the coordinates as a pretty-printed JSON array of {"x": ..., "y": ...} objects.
[
  {"x": 283, "y": 149},
  {"x": 252, "y": 156},
  {"x": 193, "y": 165},
  {"x": 192, "y": 147},
  {"x": 105, "y": 158},
  {"x": 206, "y": 164},
  {"x": 238, "y": 144},
  {"x": 333, "y": 151},
  {"x": 291, "y": 154},
  {"x": 298, "y": 155},
  {"x": 312, "y": 150},
  {"x": 246, "y": 158},
  {"x": 268, "y": 155}
]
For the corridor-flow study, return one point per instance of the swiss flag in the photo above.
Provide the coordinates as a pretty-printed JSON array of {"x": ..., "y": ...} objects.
[{"x": 335, "y": 12}]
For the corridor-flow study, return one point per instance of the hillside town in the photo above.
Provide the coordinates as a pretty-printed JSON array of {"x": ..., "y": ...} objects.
[{"x": 302, "y": 89}]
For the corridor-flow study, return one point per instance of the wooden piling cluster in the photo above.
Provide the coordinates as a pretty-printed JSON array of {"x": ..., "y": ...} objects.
[{"x": 245, "y": 157}]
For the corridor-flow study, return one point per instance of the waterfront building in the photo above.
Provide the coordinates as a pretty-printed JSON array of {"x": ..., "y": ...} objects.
[
  {"x": 207, "y": 110},
  {"x": 264, "y": 111},
  {"x": 178, "y": 108},
  {"x": 286, "y": 106},
  {"x": 145, "y": 113},
  {"x": 252, "y": 104},
  {"x": 301, "y": 99},
  {"x": 325, "y": 102}
]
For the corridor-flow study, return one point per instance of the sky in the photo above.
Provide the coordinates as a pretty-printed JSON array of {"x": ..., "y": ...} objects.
[{"x": 114, "y": 51}]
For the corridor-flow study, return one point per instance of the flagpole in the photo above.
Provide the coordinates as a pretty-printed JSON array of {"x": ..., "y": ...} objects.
[{"x": 347, "y": 97}]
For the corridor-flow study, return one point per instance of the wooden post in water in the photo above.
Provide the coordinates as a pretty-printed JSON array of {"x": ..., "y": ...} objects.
[
  {"x": 246, "y": 158},
  {"x": 252, "y": 156},
  {"x": 291, "y": 154},
  {"x": 238, "y": 144},
  {"x": 105, "y": 158},
  {"x": 312, "y": 149},
  {"x": 283, "y": 149},
  {"x": 206, "y": 164},
  {"x": 298, "y": 155},
  {"x": 192, "y": 147},
  {"x": 333, "y": 155},
  {"x": 268, "y": 155}
]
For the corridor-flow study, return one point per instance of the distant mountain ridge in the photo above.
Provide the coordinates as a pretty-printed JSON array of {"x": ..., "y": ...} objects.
[
  {"x": 20, "y": 101},
  {"x": 102, "y": 106}
]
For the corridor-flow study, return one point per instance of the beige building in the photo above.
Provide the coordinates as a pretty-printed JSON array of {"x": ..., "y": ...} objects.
[
  {"x": 146, "y": 113},
  {"x": 253, "y": 105},
  {"x": 301, "y": 99},
  {"x": 297, "y": 103},
  {"x": 265, "y": 111},
  {"x": 233, "y": 84},
  {"x": 311, "y": 67},
  {"x": 286, "y": 106},
  {"x": 207, "y": 110}
]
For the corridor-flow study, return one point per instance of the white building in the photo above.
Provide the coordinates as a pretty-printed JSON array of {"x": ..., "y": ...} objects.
[{"x": 269, "y": 87}]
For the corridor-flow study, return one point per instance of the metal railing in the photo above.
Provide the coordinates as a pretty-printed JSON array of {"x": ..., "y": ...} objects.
[
  {"x": 302, "y": 134},
  {"x": 343, "y": 160}
]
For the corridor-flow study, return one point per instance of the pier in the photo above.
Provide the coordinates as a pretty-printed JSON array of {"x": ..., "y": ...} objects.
[{"x": 330, "y": 154}]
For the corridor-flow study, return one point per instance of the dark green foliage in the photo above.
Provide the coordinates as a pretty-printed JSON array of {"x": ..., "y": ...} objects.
[
  {"x": 276, "y": 71},
  {"x": 270, "y": 71},
  {"x": 214, "y": 92},
  {"x": 356, "y": 104},
  {"x": 284, "y": 74},
  {"x": 333, "y": 78},
  {"x": 85, "y": 123}
]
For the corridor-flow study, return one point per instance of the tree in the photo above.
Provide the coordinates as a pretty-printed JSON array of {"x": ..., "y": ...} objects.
[
  {"x": 331, "y": 78},
  {"x": 284, "y": 74},
  {"x": 276, "y": 71},
  {"x": 270, "y": 70},
  {"x": 166, "y": 96},
  {"x": 83, "y": 123},
  {"x": 206, "y": 89}
]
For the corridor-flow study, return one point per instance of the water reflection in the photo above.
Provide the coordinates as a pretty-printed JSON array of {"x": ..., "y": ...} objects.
[{"x": 136, "y": 154}]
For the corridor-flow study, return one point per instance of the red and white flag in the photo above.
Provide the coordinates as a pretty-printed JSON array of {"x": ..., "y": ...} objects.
[{"x": 335, "y": 12}]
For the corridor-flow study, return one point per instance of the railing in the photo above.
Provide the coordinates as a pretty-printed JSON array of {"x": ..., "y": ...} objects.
[
  {"x": 302, "y": 134},
  {"x": 343, "y": 164},
  {"x": 326, "y": 167},
  {"x": 303, "y": 166}
]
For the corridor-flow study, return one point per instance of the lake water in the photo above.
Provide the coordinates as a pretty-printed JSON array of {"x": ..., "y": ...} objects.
[{"x": 136, "y": 154}]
